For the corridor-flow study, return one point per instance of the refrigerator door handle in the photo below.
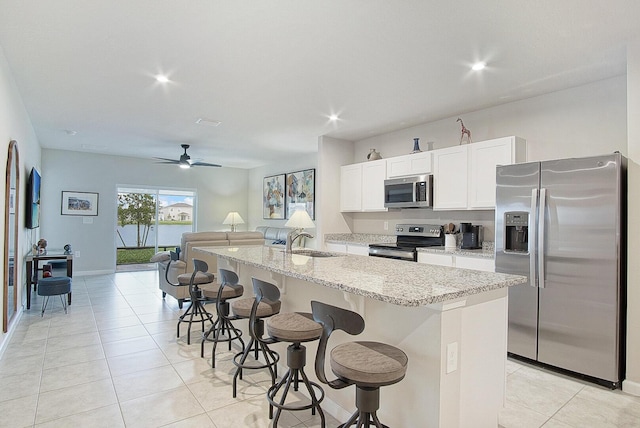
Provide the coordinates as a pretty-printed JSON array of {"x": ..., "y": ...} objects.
[
  {"x": 532, "y": 238},
  {"x": 541, "y": 222}
]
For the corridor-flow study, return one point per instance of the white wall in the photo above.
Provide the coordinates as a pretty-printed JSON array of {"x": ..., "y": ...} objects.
[
  {"x": 219, "y": 190},
  {"x": 286, "y": 165},
  {"x": 16, "y": 125},
  {"x": 633, "y": 246}
]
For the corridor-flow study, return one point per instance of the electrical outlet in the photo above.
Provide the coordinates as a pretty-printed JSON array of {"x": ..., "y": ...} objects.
[
  {"x": 386, "y": 225},
  {"x": 452, "y": 357},
  {"x": 77, "y": 254}
]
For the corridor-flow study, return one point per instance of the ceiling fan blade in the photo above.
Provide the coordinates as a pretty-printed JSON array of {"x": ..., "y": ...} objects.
[
  {"x": 167, "y": 160},
  {"x": 204, "y": 164}
]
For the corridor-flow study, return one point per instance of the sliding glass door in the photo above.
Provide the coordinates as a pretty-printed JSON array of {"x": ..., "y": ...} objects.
[{"x": 150, "y": 220}]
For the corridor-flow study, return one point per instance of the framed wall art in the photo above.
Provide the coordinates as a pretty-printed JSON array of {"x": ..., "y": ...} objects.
[
  {"x": 301, "y": 188},
  {"x": 79, "y": 203},
  {"x": 273, "y": 197}
]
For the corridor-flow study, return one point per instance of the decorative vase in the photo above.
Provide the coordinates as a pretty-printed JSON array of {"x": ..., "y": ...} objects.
[
  {"x": 373, "y": 155},
  {"x": 416, "y": 145}
]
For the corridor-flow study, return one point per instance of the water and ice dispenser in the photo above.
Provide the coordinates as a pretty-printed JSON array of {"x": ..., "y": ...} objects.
[{"x": 516, "y": 234}]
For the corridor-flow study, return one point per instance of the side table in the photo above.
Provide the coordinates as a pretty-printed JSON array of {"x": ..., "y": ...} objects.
[{"x": 33, "y": 266}]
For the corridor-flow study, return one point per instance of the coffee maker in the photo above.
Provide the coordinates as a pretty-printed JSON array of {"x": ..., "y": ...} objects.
[{"x": 471, "y": 236}]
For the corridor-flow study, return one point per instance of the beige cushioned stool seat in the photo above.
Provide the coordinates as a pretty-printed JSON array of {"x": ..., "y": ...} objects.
[
  {"x": 369, "y": 363},
  {"x": 266, "y": 308},
  {"x": 201, "y": 278},
  {"x": 228, "y": 292},
  {"x": 294, "y": 327}
]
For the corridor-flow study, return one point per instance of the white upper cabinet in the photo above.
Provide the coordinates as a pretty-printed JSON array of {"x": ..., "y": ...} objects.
[
  {"x": 362, "y": 186},
  {"x": 351, "y": 187},
  {"x": 373, "y": 175},
  {"x": 413, "y": 164},
  {"x": 450, "y": 178},
  {"x": 484, "y": 157},
  {"x": 465, "y": 176}
]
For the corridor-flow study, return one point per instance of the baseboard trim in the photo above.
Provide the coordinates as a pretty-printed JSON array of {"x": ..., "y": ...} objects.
[
  {"x": 7, "y": 337},
  {"x": 630, "y": 387}
]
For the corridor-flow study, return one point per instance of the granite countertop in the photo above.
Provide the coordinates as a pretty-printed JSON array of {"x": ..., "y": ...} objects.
[
  {"x": 393, "y": 281},
  {"x": 359, "y": 238}
]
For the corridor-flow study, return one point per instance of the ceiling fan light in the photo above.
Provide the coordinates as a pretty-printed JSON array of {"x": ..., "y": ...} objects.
[{"x": 185, "y": 165}]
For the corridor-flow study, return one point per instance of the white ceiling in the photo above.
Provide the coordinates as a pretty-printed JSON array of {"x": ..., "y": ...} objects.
[{"x": 272, "y": 71}]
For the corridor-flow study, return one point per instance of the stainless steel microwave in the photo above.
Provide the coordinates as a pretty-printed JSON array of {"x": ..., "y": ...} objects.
[{"x": 409, "y": 192}]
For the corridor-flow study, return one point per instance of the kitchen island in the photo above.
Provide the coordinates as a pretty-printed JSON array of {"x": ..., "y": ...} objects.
[{"x": 452, "y": 323}]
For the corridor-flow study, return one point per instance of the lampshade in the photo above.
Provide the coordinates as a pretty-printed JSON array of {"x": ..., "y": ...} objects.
[
  {"x": 300, "y": 220},
  {"x": 233, "y": 218}
]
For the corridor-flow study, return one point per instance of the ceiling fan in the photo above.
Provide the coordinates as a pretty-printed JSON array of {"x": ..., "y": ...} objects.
[{"x": 185, "y": 160}]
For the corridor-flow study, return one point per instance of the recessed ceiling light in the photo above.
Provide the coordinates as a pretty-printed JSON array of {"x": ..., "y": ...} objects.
[
  {"x": 162, "y": 78},
  {"x": 208, "y": 122},
  {"x": 478, "y": 66},
  {"x": 333, "y": 117}
]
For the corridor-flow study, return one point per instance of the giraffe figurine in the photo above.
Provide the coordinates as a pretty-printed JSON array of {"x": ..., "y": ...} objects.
[{"x": 464, "y": 131}]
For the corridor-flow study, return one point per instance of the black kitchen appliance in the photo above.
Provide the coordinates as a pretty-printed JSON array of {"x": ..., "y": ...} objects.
[
  {"x": 471, "y": 236},
  {"x": 409, "y": 237}
]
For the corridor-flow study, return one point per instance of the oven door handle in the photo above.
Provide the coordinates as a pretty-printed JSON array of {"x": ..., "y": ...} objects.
[{"x": 392, "y": 253}]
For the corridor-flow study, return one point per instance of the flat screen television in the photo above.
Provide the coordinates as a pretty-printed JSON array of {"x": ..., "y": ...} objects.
[{"x": 33, "y": 200}]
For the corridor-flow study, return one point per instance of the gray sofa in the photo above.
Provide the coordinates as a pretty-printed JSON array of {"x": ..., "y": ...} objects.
[
  {"x": 272, "y": 236},
  {"x": 185, "y": 262}
]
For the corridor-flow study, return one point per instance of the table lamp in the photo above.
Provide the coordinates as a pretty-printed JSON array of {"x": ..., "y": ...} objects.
[
  {"x": 300, "y": 220},
  {"x": 233, "y": 218}
]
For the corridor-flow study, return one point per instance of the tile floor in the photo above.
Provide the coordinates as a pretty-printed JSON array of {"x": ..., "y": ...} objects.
[{"x": 114, "y": 361}]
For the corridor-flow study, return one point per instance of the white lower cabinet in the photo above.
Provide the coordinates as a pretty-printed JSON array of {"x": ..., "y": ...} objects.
[
  {"x": 476, "y": 263},
  {"x": 355, "y": 249},
  {"x": 336, "y": 248},
  {"x": 436, "y": 259},
  {"x": 358, "y": 250},
  {"x": 458, "y": 261}
]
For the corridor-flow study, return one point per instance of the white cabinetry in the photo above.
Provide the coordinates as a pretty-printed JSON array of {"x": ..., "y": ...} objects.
[
  {"x": 355, "y": 249},
  {"x": 336, "y": 248},
  {"x": 476, "y": 263},
  {"x": 450, "y": 178},
  {"x": 413, "y": 164},
  {"x": 458, "y": 261},
  {"x": 362, "y": 186},
  {"x": 484, "y": 157},
  {"x": 435, "y": 259},
  {"x": 465, "y": 176},
  {"x": 351, "y": 187}
]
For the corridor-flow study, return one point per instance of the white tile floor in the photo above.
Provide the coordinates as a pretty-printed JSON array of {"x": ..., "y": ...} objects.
[{"x": 114, "y": 361}]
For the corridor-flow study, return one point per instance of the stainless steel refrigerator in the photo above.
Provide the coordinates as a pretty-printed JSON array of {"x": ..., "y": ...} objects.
[{"x": 563, "y": 223}]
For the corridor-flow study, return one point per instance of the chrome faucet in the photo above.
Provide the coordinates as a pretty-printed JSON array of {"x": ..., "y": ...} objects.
[{"x": 293, "y": 235}]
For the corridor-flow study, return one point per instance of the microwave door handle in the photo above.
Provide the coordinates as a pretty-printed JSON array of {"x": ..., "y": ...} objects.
[
  {"x": 532, "y": 238},
  {"x": 541, "y": 224}
]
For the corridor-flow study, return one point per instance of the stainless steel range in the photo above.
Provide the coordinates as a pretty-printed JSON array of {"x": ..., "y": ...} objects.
[{"x": 409, "y": 238}]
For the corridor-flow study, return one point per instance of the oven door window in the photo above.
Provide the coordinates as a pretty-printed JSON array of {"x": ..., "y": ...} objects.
[{"x": 394, "y": 193}]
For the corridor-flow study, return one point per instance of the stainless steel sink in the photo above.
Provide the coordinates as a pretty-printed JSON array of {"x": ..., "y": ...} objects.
[{"x": 314, "y": 253}]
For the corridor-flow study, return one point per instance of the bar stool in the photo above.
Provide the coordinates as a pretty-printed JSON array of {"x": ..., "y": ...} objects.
[
  {"x": 293, "y": 327},
  {"x": 226, "y": 290},
  {"x": 367, "y": 365},
  {"x": 256, "y": 312},
  {"x": 199, "y": 276}
]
